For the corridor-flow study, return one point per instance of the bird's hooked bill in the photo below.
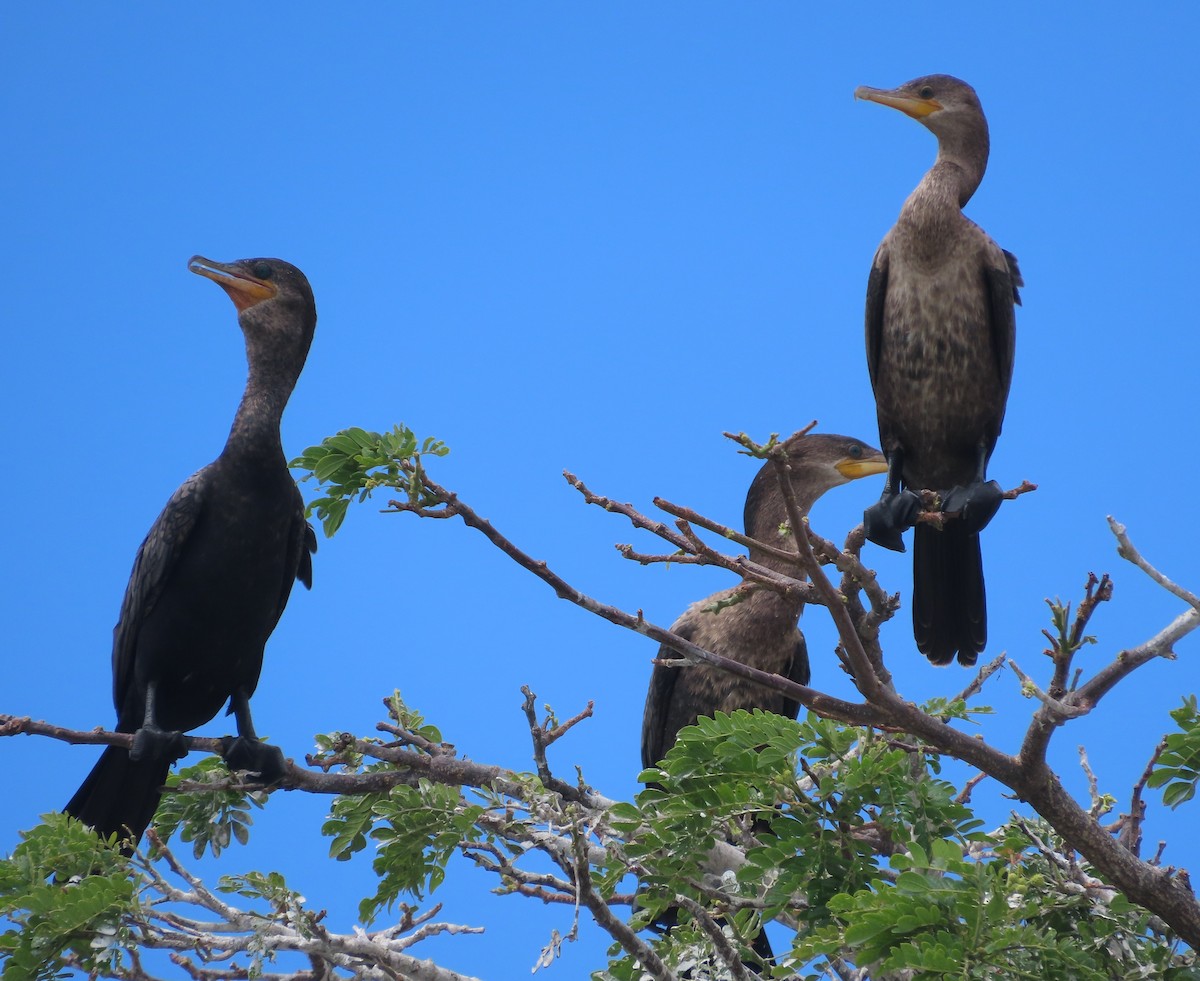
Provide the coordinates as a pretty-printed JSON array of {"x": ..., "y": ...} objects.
[
  {"x": 908, "y": 104},
  {"x": 853, "y": 468},
  {"x": 244, "y": 289}
]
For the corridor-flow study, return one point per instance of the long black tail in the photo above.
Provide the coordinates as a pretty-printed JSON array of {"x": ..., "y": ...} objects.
[
  {"x": 119, "y": 795},
  {"x": 949, "y": 603}
]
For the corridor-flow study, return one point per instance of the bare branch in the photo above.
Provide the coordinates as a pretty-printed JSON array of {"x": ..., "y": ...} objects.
[
  {"x": 543, "y": 737},
  {"x": 712, "y": 930},
  {"x": 672, "y": 558},
  {"x": 16, "y": 725},
  {"x": 829, "y": 706},
  {"x": 1127, "y": 551},
  {"x": 964, "y": 795},
  {"x": 374, "y": 955},
  {"x": 1056, "y": 711},
  {"x": 1100, "y": 805},
  {"x": 695, "y": 518},
  {"x": 985, "y": 672},
  {"x": 636, "y": 518},
  {"x": 1129, "y": 826},
  {"x": 619, "y": 931}
]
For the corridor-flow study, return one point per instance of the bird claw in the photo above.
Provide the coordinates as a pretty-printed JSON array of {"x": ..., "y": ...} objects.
[
  {"x": 975, "y": 504},
  {"x": 253, "y": 756},
  {"x": 891, "y": 515},
  {"x": 152, "y": 743}
]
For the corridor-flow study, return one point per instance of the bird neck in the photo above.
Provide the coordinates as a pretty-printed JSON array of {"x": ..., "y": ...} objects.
[
  {"x": 255, "y": 431},
  {"x": 958, "y": 171},
  {"x": 934, "y": 209},
  {"x": 769, "y": 524},
  {"x": 773, "y": 562},
  {"x": 767, "y": 607},
  {"x": 765, "y": 600}
]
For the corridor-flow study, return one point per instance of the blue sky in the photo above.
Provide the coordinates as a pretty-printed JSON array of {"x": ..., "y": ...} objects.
[{"x": 571, "y": 236}]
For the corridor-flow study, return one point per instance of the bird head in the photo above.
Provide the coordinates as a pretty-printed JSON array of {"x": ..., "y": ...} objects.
[
  {"x": 275, "y": 305},
  {"x": 825, "y": 460},
  {"x": 945, "y": 105},
  {"x": 817, "y": 462}
]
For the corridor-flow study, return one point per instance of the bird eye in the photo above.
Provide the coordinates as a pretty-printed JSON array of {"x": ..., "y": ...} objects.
[
  {"x": 926, "y": 92},
  {"x": 856, "y": 451},
  {"x": 262, "y": 270}
]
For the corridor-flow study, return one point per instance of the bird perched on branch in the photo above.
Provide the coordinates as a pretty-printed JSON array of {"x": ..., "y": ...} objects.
[
  {"x": 941, "y": 333},
  {"x": 212, "y": 577},
  {"x": 760, "y": 630}
]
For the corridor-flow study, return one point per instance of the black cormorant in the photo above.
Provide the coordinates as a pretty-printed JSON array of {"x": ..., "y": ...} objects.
[
  {"x": 212, "y": 577},
  {"x": 941, "y": 332}
]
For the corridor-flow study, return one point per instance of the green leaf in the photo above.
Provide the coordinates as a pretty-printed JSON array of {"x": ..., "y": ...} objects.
[
  {"x": 354, "y": 462},
  {"x": 66, "y": 892},
  {"x": 210, "y": 820}
]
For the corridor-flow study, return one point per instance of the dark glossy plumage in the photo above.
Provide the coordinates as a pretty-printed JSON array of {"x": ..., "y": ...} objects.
[
  {"x": 940, "y": 338},
  {"x": 761, "y": 629},
  {"x": 213, "y": 575}
]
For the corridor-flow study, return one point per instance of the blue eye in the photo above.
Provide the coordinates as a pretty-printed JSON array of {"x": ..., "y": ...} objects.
[
  {"x": 926, "y": 92},
  {"x": 262, "y": 270}
]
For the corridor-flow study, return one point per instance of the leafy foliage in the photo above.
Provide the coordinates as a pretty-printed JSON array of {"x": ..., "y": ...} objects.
[
  {"x": 1011, "y": 910},
  {"x": 812, "y": 834},
  {"x": 209, "y": 819},
  {"x": 1178, "y": 766},
  {"x": 355, "y": 462},
  {"x": 418, "y": 829},
  {"x": 875, "y": 858},
  {"x": 852, "y": 836},
  {"x": 65, "y": 891}
]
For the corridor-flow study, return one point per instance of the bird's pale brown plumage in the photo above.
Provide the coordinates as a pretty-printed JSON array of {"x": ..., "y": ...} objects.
[
  {"x": 760, "y": 630},
  {"x": 940, "y": 337}
]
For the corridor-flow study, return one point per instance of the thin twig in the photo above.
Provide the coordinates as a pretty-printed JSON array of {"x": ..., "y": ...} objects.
[
  {"x": 985, "y": 672},
  {"x": 712, "y": 930},
  {"x": 829, "y": 706},
  {"x": 1127, "y": 551}
]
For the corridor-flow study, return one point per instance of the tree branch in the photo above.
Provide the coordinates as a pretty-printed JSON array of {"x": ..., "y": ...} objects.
[
  {"x": 1160, "y": 891},
  {"x": 828, "y": 706}
]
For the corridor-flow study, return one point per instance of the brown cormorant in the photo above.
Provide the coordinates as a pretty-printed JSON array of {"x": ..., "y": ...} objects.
[
  {"x": 212, "y": 577},
  {"x": 941, "y": 332},
  {"x": 760, "y": 630}
]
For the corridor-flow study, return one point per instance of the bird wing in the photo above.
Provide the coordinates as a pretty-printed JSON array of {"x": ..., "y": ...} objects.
[
  {"x": 301, "y": 548},
  {"x": 1003, "y": 281},
  {"x": 660, "y": 699},
  {"x": 156, "y": 557},
  {"x": 798, "y": 671},
  {"x": 877, "y": 284}
]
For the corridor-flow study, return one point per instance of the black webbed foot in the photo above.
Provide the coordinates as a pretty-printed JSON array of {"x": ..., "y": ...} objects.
[
  {"x": 976, "y": 504},
  {"x": 152, "y": 743},
  {"x": 891, "y": 515},
  {"x": 254, "y": 756}
]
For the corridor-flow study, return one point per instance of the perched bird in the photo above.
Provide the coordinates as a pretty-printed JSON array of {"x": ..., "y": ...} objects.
[
  {"x": 212, "y": 577},
  {"x": 760, "y": 630},
  {"x": 941, "y": 332}
]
